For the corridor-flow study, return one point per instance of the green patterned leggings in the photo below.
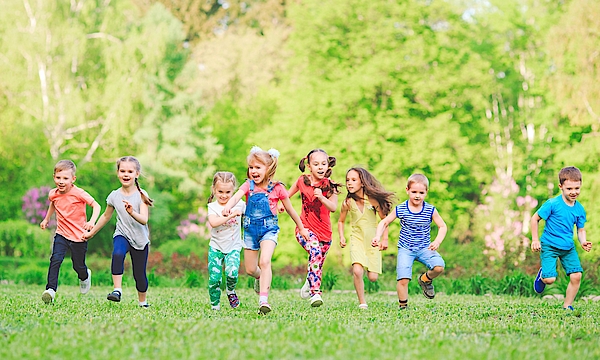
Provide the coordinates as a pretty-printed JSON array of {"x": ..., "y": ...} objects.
[{"x": 215, "y": 275}]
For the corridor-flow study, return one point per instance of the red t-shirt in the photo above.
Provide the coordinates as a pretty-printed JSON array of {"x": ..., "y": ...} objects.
[
  {"x": 70, "y": 212},
  {"x": 279, "y": 192},
  {"x": 315, "y": 216}
]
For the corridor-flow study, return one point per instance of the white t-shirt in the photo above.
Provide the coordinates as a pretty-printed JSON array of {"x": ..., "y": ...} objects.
[{"x": 228, "y": 236}]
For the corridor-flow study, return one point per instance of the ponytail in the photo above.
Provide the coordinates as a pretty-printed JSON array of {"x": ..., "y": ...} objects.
[{"x": 145, "y": 198}]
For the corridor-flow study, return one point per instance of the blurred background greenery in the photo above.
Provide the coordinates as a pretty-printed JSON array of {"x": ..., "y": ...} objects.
[{"x": 488, "y": 98}]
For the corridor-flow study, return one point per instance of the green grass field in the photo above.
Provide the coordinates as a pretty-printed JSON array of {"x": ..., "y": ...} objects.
[{"x": 180, "y": 324}]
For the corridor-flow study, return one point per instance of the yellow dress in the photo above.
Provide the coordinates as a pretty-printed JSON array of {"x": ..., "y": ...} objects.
[{"x": 364, "y": 226}]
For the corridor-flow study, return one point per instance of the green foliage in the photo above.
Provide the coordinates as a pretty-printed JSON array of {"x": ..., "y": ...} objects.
[
  {"x": 20, "y": 239},
  {"x": 329, "y": 280}
]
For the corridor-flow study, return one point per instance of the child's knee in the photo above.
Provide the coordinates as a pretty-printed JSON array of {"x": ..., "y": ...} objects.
[
  {"x": 549, "y": 281},
  {"x": 264, "y": 263},
  {"x": 438, "y": 269},
  {"x": 575, "y": 277},
  {"x": 357, "y": 270},
  {"x": 372, "y": 276}
]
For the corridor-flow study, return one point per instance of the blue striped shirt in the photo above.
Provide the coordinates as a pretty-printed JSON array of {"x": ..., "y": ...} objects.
[{"x": 415, "y": 232}]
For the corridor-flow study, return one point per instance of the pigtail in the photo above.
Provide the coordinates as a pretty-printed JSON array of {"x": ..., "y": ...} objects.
[
  {"x": 145, "y": 198},
  {"x": 302, "y": 164}
]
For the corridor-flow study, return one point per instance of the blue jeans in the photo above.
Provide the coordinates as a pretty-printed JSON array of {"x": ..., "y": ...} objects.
[
  {"x": 568, "y": 259},
  {"x": 139, "y": 261},
  {"x": 406, "y": 258},
  {"x": 259, "y": 222},
  {"x": 59, "y": 250}
]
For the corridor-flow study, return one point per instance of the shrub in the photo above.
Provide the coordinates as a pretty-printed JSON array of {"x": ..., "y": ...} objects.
[
  {"x": 329, "y": 280},
  {"x": 35, "y": 206},
  {"x": 20, "y": 239}
]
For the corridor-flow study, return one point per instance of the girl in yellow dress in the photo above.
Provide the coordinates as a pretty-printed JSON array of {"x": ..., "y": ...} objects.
[{"x": 366, "y": 200}]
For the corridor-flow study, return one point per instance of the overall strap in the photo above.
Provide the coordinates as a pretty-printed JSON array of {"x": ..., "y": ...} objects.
[{"x": 251, "y": 186}]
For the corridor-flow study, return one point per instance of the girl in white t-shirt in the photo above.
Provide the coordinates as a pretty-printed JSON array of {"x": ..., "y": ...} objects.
[{"x": 225, "y": 239}]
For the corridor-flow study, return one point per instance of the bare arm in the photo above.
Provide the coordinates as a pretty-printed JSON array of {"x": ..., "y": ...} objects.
[
  {"x": 103, "y": 220},
  {"x": 382, "y": 227},
  {"x": 581, "y": 235},
  {"x": 216, "y": 220},
  {"x": 293, "y": 190},
  {"x": 231, "y": 203},
  {"x": 44, "y": 223},
  {"x": 330, "y": 203},
  {"x": 341, "y": 221},
  {"x": 95, "y": 213},
  {"x": 294, "y": 215},
  {"x": 535, "y": 237},
  {"x": 442, "y": 230},
  {"x": 142, "y": 216}
]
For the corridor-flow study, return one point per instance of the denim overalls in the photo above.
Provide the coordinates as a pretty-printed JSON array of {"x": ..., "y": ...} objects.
[{"x": 259, "y": 222}]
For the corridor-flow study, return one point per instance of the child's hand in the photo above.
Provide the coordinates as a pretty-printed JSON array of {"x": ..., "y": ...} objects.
[
  {"x": 317, "y": 192},
  {"x": 434, "y": 245},
  {"x": 280, "y": 207},
  {"x": 587, "y": 246},
  {"x": 88, "y": 226},
  {"x": 536, "y": 246},
  {"x": 342, "y": 242},
  {"x": 226, "y": 211},
  {"x": 44, "y": 224},
  {"x": 236, "y": 212},
  {"x": 305, "y": 234},
  {"x": 383, "y": 245},
  {"x": 375, "y": 242},
  {"x": 128, "y": 207},
  {"x": 86, "y": 236}
]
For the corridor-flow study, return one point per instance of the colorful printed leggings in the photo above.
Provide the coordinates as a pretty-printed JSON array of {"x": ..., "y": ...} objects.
[
  {"x": 317, "y": 250},
  {"x": 215, "y": 275}
]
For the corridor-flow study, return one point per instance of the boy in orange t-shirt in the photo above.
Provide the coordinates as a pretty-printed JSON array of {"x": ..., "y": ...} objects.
[{"x": 68, "y": 201}]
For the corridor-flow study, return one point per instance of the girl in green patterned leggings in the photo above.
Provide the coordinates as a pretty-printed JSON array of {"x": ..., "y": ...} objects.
[{"x": 225, "y": 240}]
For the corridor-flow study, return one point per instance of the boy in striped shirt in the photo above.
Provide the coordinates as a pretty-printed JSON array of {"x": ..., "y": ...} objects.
[{"x": 414, "y": 242}]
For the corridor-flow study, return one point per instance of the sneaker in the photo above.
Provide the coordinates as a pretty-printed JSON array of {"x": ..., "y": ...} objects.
[
  {"x": 264, "y": 308},
  {"x": 403, "y": 307},
  {"x": 538, "y": 284},
  {"x": 85, "y": 285},
  {"x": 316, "y": 301},
  {"x": 427, "y": 287},
  {"x": 48, "y": 296},
  {"x": 114, "y": 296},
  {"x": 257, "y": 286},
  {"x": 363, "y": 306},
  {"x": 234, "y": 301},
  {"x": 305, "y": 290},
  {"x": 215, "y": 307},
  {"x": 145, "y": 306},
  {"x": 569, "y": 308}
]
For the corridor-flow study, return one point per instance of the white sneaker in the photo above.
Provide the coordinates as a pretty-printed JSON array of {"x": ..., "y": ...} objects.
[
  {"x": 305, "y": 290},
  {"x": 48, "y": 296},
  {"x": 216, "y": 307},
  {"x": 85, "y": 285},
  {"x": 363, "y": 306},
  {"x": 316, "y": 301}
]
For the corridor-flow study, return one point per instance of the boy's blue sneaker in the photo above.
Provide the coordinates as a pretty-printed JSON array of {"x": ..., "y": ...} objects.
[
  {"x": 538, "y": 284},
  {"x": 569, "y": 308}
]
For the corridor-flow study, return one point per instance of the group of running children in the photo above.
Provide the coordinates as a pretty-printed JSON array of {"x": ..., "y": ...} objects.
[{"x": 366, "y": 203}]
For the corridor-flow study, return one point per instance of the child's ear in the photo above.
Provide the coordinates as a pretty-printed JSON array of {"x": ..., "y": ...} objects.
[{"x": 74, "y": 178}]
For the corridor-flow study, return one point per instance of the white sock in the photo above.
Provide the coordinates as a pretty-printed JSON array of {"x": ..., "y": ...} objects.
[
  {"x": 142, "y": 303},
  {"x": 229, "y": 292},
  {"x": 263, "y": 299},
  {"x": 119, "y": 290}
]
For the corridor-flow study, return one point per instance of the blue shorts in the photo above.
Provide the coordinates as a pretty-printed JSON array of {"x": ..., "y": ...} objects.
[
  {"x": 257, "y": 231},
  {"x": 406, "y": 258},
  {"x": 568, "y": 259}
]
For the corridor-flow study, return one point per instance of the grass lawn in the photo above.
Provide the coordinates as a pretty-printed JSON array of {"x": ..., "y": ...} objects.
[{"x": 180, "y": 324}]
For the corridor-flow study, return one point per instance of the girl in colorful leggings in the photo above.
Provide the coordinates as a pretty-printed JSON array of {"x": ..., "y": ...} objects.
[{"x": 319, "y": 200}]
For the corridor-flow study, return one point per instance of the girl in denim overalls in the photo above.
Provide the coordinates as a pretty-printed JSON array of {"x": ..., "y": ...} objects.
[{"x": 260, "y": 219}]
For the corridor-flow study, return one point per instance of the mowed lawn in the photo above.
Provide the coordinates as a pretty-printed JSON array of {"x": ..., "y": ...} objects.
[{"x": 180, "y": 324}]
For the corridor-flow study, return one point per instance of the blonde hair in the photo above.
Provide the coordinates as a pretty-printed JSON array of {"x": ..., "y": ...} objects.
[
  {"x": 63, "y": 165},
  {"x": 267, "y": 158},
  {"x": 223, "y": 177},
  {"x": 570, "y": 173},
  {"x": 418, "y": 179},
  {"x": 138, "y": 167}
]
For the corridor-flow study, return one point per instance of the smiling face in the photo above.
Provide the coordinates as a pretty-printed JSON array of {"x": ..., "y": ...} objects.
[
  {"x": 223, "y": 192},
  {"x": 257, "y": 171},
  {"x": 64, "y": 180},
  {"x": 416, "y": 194},
  {"x": 317, "y": 165},
  {"x": 353, "y": 183},
  {"x": 127, "y": 173},
  {"x": 570, "y": 190}
]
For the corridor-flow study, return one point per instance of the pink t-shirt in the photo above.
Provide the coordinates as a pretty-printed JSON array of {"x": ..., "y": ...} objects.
[
  {"x": 278, "y": 193},
  {"x": 70, "y": 212}
]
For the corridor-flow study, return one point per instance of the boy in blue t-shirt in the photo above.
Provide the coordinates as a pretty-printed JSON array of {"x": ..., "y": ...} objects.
[{"x": 560, "y": 214}]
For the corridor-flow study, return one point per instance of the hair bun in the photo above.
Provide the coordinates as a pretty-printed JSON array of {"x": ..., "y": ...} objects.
[
  {"x": 274, "y": 153},
  {"x": 255, "y": 149}
]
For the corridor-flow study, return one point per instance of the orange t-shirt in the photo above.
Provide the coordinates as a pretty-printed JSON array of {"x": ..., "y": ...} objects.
[{"x": 70, "y": 212}]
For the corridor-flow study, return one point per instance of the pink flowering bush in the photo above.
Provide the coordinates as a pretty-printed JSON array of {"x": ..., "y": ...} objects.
[
  {"x": 195, "y": 225},
  {"x": 35, "y": 205}
]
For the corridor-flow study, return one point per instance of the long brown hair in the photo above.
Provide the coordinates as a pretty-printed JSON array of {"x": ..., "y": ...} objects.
[
  {"x": 373, "y": 189},
  {"x": 138, "y": 167}
]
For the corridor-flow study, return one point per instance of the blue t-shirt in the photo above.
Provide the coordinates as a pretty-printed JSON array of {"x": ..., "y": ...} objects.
[
  {"x": 415, "y": 231},
  {"x": 560, "y": 219}
]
